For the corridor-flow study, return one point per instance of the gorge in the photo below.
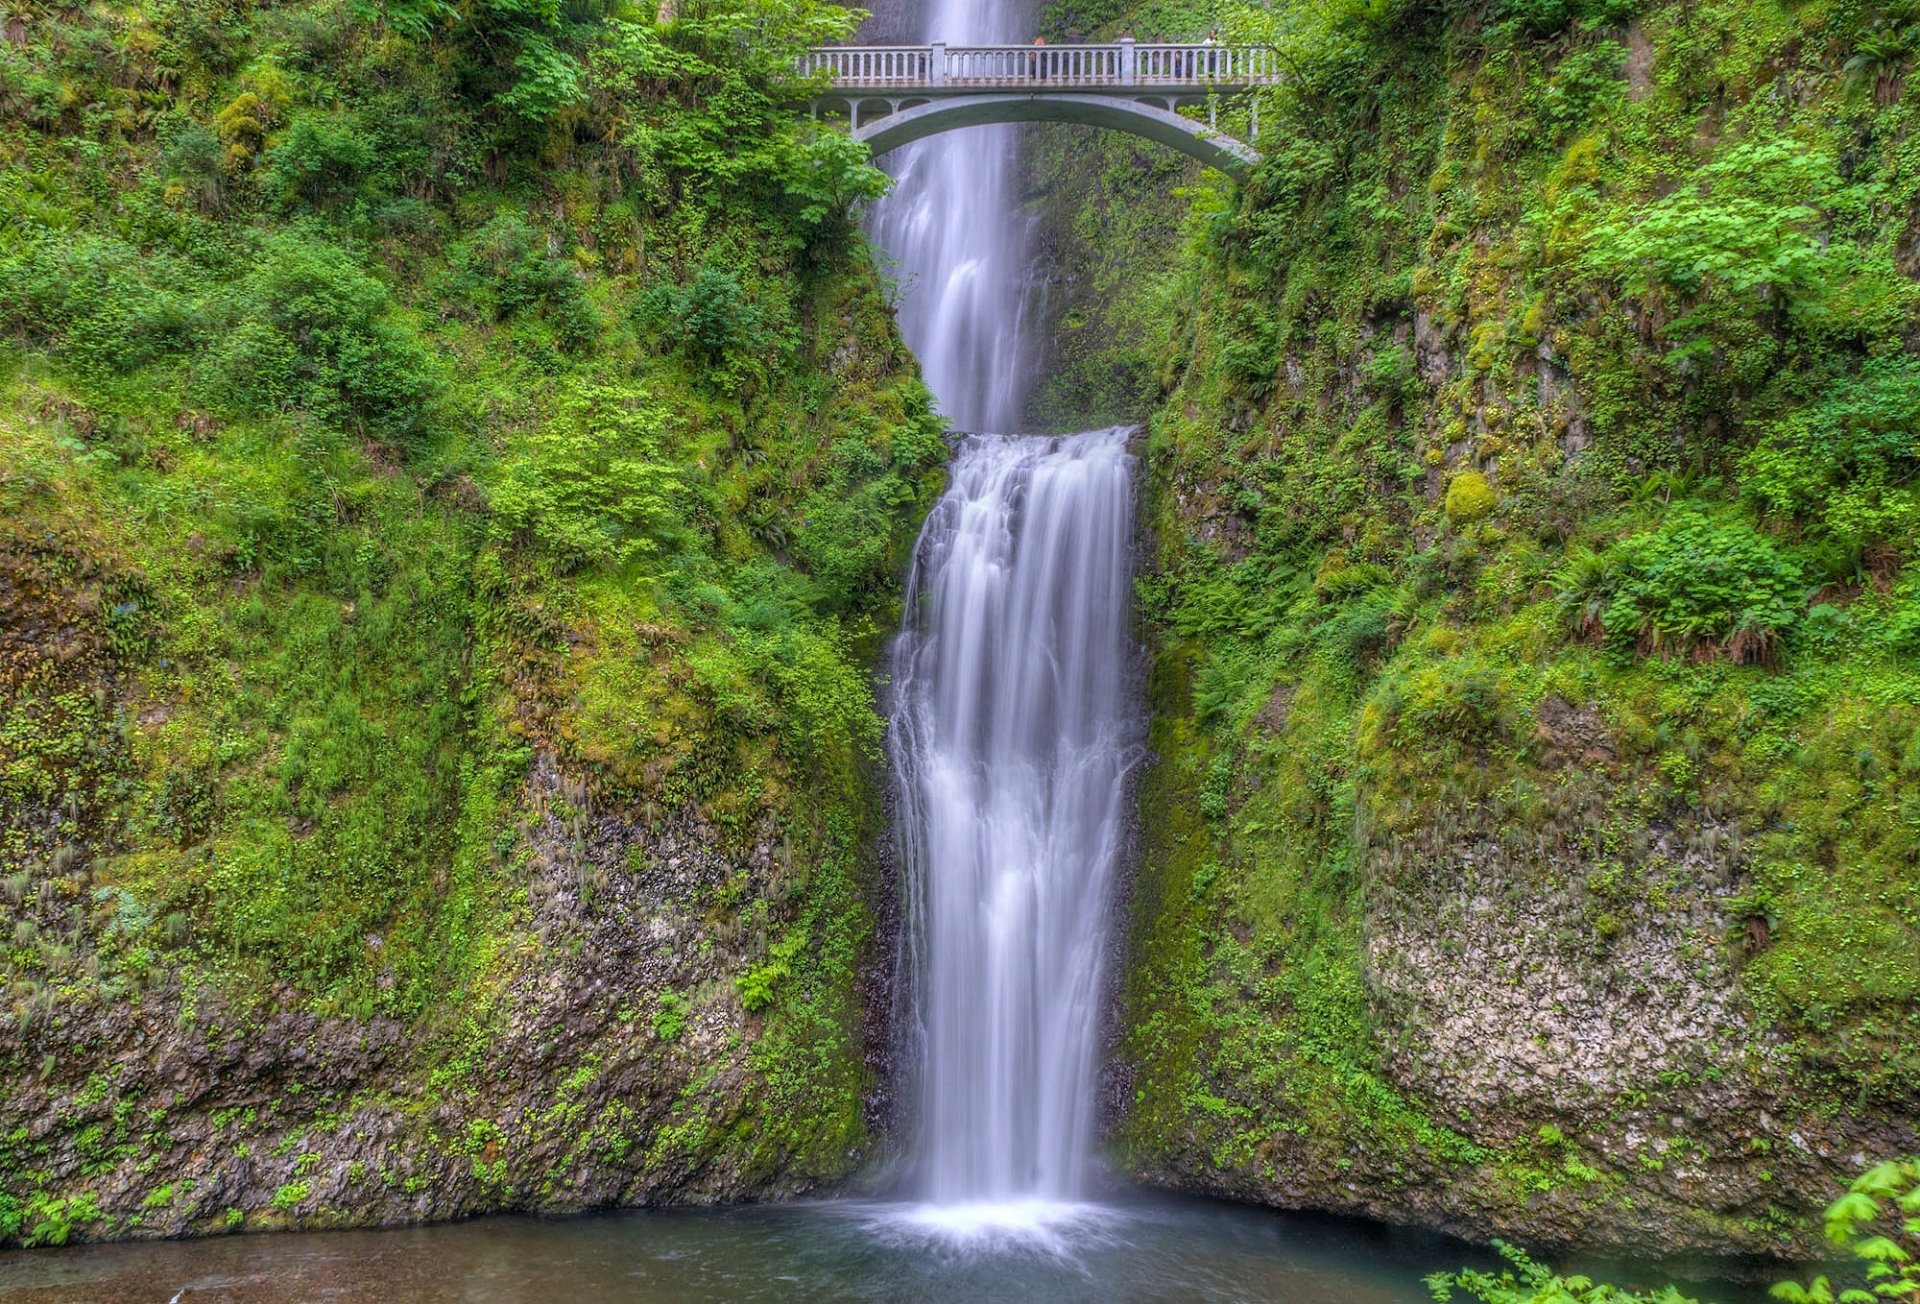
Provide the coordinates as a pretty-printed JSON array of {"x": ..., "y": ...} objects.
[{"x": 561, "y": 652}]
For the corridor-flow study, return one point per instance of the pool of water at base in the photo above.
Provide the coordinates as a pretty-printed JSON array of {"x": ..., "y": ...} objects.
[{"x": 1141, "y": 1250}]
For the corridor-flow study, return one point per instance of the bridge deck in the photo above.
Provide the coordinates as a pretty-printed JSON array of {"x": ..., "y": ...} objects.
[{"x": 1124, "y": 67}]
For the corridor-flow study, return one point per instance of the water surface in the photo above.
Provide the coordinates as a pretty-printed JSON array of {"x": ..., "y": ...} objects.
[{"x": 1144, "y": 1249}]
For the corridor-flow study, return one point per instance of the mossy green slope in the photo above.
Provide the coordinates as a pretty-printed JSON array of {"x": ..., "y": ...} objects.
[
  {"x": 455, "y": 462},
  {"x": 1530, "y": 845}
]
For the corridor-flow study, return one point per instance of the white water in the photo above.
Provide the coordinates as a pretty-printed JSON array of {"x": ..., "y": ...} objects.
[
  {"x": 1013, "y": 734},
  {"x": 954, "y": 225},
  {"x": 1013, "y": 728}
]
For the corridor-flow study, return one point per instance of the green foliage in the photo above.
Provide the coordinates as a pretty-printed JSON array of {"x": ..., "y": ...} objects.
[
  {"x": 98, "y": 300},
  {"x": 1592, "y": 254},
  {"x": 1528, "y": 1282},
  {"x": 506, "y": 270},
  {"x": 1697, "y": 581},
  {"x": 308, "y": 327},
  {"x": 1878, "y": 1223},
  {"x": 758, "y": 985},
  {"x": 321, "y": 159},
  {"x": 670, "y": 1018},
  {"x": 1744, "y": 235},
  {"x": 837, "y": 541},
  {"x": 715, "y": 324},
  {"x": 325, "y": 426},
  {"x": 1849, "y": 461},
  {"x": 591, "y": 488}
]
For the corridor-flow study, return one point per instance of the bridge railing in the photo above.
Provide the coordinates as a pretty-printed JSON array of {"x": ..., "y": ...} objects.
[{"x": 960, "y": 67}]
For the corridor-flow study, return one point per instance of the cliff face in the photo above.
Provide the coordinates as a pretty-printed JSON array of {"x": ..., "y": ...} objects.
[
  {"x": 447, "y": 518},
  {"x": 1529, "y": 844}
]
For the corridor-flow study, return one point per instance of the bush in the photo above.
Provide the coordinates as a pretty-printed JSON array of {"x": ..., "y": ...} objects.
[
  {"x": 1465, "y": 703},
  {"x": 829, "y": 175},
  {"x": 100, "y": 301},
  {"x": 1694, "y": 583},
  {"x": 1527, "y": 1282},
  {"x": 506, "y": 270},
  {"x": 322, "y": 160},
  {"x": 1742, "y": 236},
  {"x": 195, "y": 161},
  {"x": 1848, "y": 464},
  {"x": 846, "y": 526},
  {"x": 592, "y": 488},
  {"x": 712, "y": 322},
  {"x": 307, "y": 327}
]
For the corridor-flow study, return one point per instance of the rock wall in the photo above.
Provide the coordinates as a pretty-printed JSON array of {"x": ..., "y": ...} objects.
[{"x": 1475, "y": 893}]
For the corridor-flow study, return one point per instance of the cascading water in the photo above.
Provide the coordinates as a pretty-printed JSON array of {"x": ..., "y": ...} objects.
[
  {"x": 1013, "y": 728},
  {"x": 953, "y": 225},
  {"x": 1013, "y": 734}
]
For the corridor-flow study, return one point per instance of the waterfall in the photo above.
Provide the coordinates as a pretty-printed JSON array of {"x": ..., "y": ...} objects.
[
  {"x": 1014, "y": 730},
  {"x": 954, "y": 226}
]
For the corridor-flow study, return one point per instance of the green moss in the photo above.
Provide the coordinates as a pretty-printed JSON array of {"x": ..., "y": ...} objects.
[
  {"x": 1663, "y": 668},
  {"x": 1469, "y": 498},
  {"x": 384, "y": 421}
]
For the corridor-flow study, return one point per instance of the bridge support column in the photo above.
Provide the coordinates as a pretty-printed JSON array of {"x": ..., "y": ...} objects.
[
  {"x": 1128, "y": 67},
  {"x": 937, "y": 64}
]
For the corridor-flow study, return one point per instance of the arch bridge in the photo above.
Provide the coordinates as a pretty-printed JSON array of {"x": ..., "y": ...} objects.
[{"x": 893, "y": 95}]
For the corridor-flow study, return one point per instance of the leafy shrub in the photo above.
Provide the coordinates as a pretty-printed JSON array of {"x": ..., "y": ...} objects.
[
  {"x": 670, "y": 1018},
  {"x": 195, "y": 161},
  {"x": 322, "y": 160},
  {"x": 1849, "y": 462},
  {"x": 827, "y": 178},
  {"x": 1527, "y": 1282},
  {"x": 1543, "y": 18},
  {"x": 1695, "y": 582},
  {"x": 506, "y": 270},
  {"x": 1361, "y": 632},
  {"x": 102, "y": 302},
  {"x": 411, "y": 18},
  {"x": 27, "y": 94},
  {"x": 825, "y": 700},
  {"x": 714, "y": 323},
  {"x": 1250, "y": 354},
  {"x": 1742, "y": 235},
  {"x": 254, "y": 369},
  {"x": 308, "y": 327},
  {"x": 592, "y": 488},
  {"x": 1878, "y": 1222},
  {"x": 846, "y": 524}
]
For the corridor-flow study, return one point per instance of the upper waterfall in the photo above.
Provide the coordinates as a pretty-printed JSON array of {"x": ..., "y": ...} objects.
[{"x": 955, "y": 227}]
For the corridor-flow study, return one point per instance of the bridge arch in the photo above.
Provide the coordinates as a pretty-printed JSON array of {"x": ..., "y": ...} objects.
[{"x": 918, "y": 120}]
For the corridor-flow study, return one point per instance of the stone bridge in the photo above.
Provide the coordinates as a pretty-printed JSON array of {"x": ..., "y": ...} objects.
[{"x": 895, "y": 94}]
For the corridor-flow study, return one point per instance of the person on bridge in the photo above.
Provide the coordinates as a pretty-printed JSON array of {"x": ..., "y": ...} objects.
[
  {"x": 1213, "y": 54},
  {"x": 1037, "y": 61}
]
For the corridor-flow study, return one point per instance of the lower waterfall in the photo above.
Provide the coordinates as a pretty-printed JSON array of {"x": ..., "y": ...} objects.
[{"x": 1013, "y": 733}]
